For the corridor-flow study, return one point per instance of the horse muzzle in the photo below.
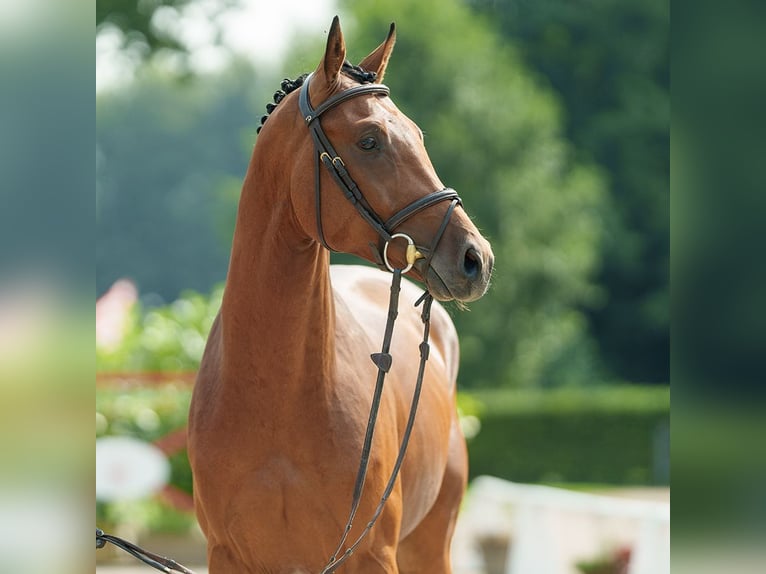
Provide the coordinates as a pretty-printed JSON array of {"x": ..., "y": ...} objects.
[{"x": 461, "y": 274}]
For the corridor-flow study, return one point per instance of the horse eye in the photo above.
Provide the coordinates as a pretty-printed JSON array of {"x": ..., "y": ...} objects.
[{"x": 368, "y": 143}]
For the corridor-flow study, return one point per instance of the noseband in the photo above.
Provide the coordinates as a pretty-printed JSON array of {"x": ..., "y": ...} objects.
[{"x": 326, "y": 154}]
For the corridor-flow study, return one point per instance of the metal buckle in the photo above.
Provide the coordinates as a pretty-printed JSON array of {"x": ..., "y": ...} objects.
[
  {"x": 337, "y": 161},
  {"x": 411, "y": 254}
]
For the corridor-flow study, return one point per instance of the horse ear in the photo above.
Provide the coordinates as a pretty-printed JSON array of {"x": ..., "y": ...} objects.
[
  {"x": 334, "y": 55},
  {"x": 378, "y": 59}
]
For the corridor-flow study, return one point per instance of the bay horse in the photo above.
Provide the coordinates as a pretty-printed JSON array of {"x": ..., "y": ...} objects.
[{"x": 281, "y": 405}]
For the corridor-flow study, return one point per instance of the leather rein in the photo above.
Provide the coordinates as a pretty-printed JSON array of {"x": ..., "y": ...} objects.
[{"x": 327, "y": 156}]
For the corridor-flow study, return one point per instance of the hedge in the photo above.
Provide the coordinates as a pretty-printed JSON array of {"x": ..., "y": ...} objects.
[{"x": 612, "y": 435}]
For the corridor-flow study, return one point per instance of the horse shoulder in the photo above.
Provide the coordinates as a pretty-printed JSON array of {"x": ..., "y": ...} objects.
[{"x": 364, "y": 291}]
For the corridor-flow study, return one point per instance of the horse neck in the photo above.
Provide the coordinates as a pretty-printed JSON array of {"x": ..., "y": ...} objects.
[{"x": 277, "y": 316}]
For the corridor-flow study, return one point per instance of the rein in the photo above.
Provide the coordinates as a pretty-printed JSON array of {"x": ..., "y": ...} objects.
[
  {"x": 383, "y": 361},
  {"x": 327, "y": 156},
  {"x": 154, "y": 560}
]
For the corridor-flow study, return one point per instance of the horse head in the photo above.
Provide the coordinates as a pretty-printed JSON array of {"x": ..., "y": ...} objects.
[{"x": 373, "y": 183}]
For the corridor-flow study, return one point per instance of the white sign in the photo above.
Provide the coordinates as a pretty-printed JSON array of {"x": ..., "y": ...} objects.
[{"x": 128, "y": 468}]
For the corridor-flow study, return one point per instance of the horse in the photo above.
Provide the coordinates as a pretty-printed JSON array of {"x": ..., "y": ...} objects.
[{"x": 281, "y": 404}]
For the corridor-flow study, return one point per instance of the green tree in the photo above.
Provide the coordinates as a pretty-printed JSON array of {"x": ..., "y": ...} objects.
[
  {"x": 494, "y": 133},
  {"x": 136, "y": 20},
  {"x": 609, "y": 62},
  {"x": 170, "y": 158}
]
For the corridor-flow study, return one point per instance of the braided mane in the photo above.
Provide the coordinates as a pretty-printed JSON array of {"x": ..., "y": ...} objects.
[{"x": 355, "y": 72}]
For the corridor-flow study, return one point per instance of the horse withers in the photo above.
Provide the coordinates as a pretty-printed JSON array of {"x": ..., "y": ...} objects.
[{"x": 282, "y": 400}]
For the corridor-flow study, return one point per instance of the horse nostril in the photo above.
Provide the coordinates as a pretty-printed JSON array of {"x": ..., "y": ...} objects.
[{"x": 472, "y": 263}]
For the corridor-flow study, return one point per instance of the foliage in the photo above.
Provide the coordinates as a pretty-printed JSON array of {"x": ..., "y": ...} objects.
[
  {"x": 146, "y": 515},
  {"x": 137, "y": 21},
  {"x": 493, "y": 132},
  {"x": 145, "y": 413},
  {"x": 616, "y": 435},
  {"x": 169, "y": 338},
  {"x": 636, "y": 399},
  {"x": 609, "y": 62}
]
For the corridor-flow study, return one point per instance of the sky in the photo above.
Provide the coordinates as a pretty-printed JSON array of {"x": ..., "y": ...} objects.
[{"x": 257, "y": 29}]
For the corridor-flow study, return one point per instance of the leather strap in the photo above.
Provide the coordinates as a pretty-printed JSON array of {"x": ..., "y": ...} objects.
[
  {"x": 419, "y": 205},
  {"x": 326, "y": 154},
  {"x": 309, "y": 114},
  {"x": 154, "y": 560},
  {"x": 442, "y": 228},
  {"x": 383, "y": 361},
  {"x": 329, "y": 157}
]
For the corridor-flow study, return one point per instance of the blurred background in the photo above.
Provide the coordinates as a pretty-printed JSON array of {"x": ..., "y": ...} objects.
[{"x": 552, "y": 120}]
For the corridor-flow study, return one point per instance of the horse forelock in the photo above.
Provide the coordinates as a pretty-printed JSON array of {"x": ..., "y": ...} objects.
[
  {"x": 358, "y": 73},
  {"x": 354, "y": 72}
]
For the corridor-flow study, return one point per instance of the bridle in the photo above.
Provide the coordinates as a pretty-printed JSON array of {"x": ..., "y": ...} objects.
[{"x": 327, "y": 156}]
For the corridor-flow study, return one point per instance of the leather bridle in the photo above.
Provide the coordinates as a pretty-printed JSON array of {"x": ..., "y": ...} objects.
[{"x": 326, "y": 155}]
